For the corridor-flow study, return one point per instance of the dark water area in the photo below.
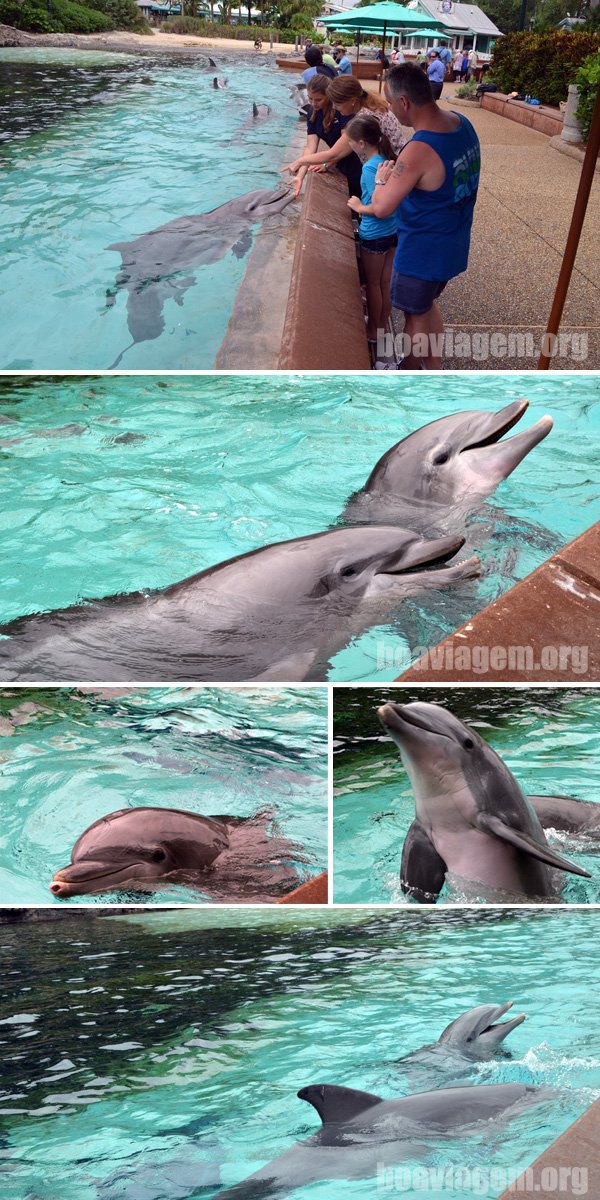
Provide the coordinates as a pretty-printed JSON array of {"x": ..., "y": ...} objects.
[
  {"x": 34, "y": 96},
  {"x": 356, "y": 726},
  {"x": 76, "y": 988}
]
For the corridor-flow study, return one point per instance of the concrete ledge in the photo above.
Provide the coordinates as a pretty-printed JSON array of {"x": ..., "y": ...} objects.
[
  {"x": 543, "y": 119},
  {"x": 313, "y": 892},
  {"x": 572, "y": 149},
  {"x": 556, "y": 607},
  {"x": 575, "y": 1151},
  {"x": 324, "y": 327}
]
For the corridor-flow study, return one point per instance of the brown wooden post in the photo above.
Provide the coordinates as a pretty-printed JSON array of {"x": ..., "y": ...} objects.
[{"x": 570, "y": 253}]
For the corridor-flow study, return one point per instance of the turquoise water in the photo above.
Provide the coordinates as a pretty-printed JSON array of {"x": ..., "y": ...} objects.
[
  {"x": 101, "y": 148},
  {"x": 548, "y": 738},
  {"x": 212, "y": 467},
  {"x": 69, "y": 758},
  {"x": 159, "y": 1056}
]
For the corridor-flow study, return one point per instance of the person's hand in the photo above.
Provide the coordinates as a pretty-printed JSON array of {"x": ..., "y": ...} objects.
[
  {"x": 384, "y": 171},
  {"x": 355, "y": 204},
  {"x": 318, "y": 167},
  {"x": 297, "y": 188},
  {"x": 292, "y": 167}
]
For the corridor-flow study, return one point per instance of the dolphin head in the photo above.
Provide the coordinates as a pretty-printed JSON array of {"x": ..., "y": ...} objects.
[
  {"x": 475, "y": 1031},
  {"x": 438, "y": 751},
  {"x": 266, "y": 202},
  {"x": 373, "y": 566},
  {"x": 134, "y": 846},
  {"x": 456, "y": 456}
]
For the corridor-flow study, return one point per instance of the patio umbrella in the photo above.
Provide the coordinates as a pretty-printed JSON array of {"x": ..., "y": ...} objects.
[
  {"x": 381, "y": 18},
  {"x": 428, "y": 33}
]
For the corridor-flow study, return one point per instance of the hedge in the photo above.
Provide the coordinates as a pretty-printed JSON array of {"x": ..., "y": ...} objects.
[
  {"x": 247, "y": 33},
  {"x": 67, "y": 16},
  {"x": 588, "y": 82},
  {"x": 541, "y": 65}
]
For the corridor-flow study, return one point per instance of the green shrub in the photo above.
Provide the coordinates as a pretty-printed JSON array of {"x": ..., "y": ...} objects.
[
  {"x": 588, "y": 82},
  {"x": 77, "y": 18},
  {"x": 467, "y": 90},
  {"x": 541, "y": 65},
  {"x": 30, "y": 16},
  {"x": 124, "y": 14},
  {"x": 200, "y": 28}
]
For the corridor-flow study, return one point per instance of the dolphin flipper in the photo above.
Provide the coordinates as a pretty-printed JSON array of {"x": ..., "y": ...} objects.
[
  {"x": 422, "y": 871},
  {"x": 243, "y": 244},
  {"x": 567, "y": 813},
  {"x": 526, "y": 844}
]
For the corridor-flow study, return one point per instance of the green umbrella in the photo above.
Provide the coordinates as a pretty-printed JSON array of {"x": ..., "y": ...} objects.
[
  {"x": 428, "y": 33},
  {"x": 383, "y": 17}
]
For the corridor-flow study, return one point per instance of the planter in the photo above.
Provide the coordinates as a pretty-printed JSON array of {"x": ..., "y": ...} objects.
[{"x": 571, "y": 131}]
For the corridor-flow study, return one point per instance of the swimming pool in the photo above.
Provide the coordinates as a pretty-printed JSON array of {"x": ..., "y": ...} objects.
[
  {"x": 68, "y": 758},
  {"x": 136, "y": 482},
  {"x": 100, "y": 148},
  {"x": 549, "y": 739},
  {"x": 159, "y": 1055}
]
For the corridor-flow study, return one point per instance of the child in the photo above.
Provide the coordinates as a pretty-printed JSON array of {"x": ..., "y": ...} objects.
[{"x": 378, "y": 237}]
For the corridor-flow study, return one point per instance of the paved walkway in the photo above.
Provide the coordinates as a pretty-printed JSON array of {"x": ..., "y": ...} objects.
[{"x": 522, "y": 218}]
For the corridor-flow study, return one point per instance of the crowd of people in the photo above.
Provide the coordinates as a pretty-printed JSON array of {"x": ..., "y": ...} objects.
[{"x": 414, "y": 198}]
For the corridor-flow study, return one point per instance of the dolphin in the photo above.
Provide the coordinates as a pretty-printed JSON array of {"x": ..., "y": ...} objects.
[
  {"x": 152, "y": 264},
  {"x": 567, "y": 814},
  {"x": 211, "y": 62},
  {"x": 476, "y": 1035},
  {"x": 276, "y": 613},
  {"x": 260, "y": 112},
  {"x": 148, "y": 848},
  {"x": 479, "y": 1032},
  {"x": 361, "y": 1131},
  {"x": 440, "y": 474},
  {"x": 472, "y": 819}
]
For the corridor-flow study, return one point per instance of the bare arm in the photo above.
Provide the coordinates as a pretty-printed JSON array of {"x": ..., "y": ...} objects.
[
  {"x": 341, "y": 149},
  {"x": 399, "y": 178}
]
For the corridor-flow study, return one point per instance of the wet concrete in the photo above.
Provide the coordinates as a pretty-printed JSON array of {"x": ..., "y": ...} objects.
[
  {"x": 569, "y": 1167},
  {"x": 253, "y": 338},
  {"x": 546, "y": 629}
]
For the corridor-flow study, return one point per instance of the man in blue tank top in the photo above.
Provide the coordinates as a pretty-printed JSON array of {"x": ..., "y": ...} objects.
[{"x": 432, "y": 189}]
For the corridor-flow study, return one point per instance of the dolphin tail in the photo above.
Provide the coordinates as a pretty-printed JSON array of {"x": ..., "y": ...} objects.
[
  {"x": 526, "y": 844},
  {"x": 114, "y": 365}
]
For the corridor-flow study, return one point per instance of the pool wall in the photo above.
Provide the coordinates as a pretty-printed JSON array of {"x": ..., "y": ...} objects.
[
  {"x": 554, "y": 609},
  {"x": 324, "y": 326}
]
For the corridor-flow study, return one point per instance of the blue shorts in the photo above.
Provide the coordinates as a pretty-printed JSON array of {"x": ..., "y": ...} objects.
[{"x": 414, "y": 295}]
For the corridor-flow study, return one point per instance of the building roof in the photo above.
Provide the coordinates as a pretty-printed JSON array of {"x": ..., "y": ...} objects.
[{"x": 463, "y": 18}]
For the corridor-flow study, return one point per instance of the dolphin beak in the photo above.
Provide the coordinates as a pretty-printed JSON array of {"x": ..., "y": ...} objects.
[
  {"x": 85, "y": 877},
  {"x": 497, "y": 457},
  {"x": 503, "y": 1028},
  {"x": 422, "y": 554}
]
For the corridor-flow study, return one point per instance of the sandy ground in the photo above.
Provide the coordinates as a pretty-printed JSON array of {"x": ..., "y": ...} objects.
[{"x": 122, "y": 39}]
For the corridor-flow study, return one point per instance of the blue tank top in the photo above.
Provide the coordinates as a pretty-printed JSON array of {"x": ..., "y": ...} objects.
[{"x": 434, "y": 228}]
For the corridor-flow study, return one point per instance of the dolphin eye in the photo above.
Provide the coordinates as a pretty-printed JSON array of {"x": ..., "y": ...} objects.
[
  {"x": 468, "y": 744},
  {"x": 441, "y": 458},
  {"x": 158, "y": 856},
  {"x": 348, "y": 572}
]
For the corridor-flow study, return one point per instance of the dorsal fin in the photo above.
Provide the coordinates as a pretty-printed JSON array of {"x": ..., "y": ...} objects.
[
  {"x": 337, "y": 1104},
  {"x": 255, "y": 109}
]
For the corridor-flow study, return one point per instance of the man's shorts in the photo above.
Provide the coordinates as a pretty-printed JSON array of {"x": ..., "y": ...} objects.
[{"x": 414, "y": 295}]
